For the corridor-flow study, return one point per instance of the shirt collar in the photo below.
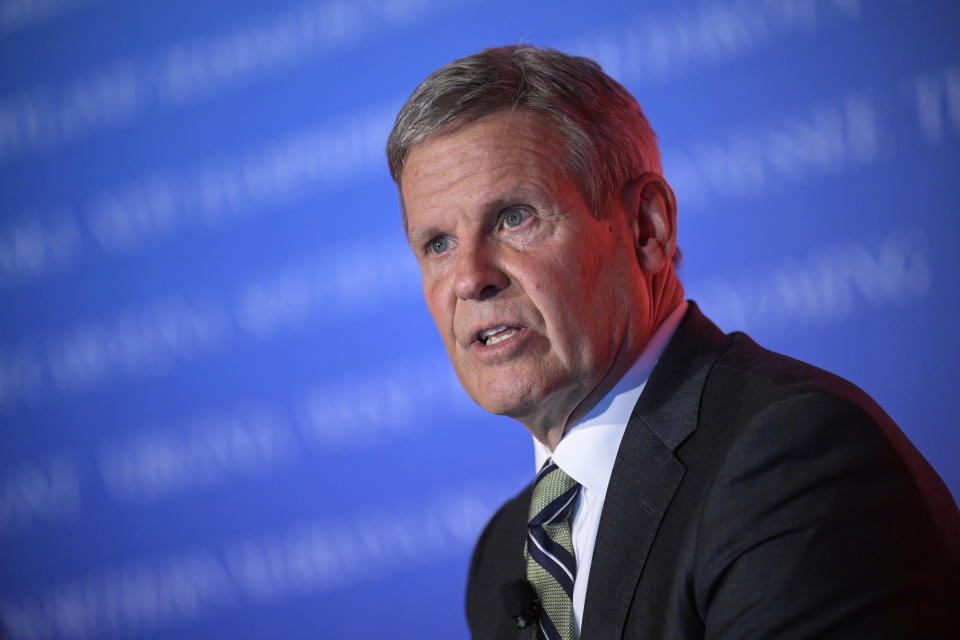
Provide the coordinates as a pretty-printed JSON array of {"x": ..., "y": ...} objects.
[{"x": 589, "y": 448}]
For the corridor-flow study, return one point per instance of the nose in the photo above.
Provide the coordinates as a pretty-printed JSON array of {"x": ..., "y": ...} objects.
[{"x": 478, "y": 275}]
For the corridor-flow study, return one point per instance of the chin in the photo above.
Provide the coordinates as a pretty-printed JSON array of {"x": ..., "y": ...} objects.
[
  {"x": 497, "y": 406},
  {"x": 513, "y": 403}
]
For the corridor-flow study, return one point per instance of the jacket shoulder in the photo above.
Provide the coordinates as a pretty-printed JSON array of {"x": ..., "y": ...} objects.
[
  {"x": 814, "y": 485},
  {"x": 772, "y": 376}
]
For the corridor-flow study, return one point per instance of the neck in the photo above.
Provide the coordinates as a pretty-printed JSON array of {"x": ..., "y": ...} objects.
[{"x": 666, "y": 293}]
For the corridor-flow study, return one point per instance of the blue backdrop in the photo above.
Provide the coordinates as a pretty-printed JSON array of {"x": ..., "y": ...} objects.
[{"x": 225, "y": 410}]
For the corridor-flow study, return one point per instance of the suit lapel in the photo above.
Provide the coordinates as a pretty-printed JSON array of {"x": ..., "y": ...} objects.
[{"x": 646, "y": 473}]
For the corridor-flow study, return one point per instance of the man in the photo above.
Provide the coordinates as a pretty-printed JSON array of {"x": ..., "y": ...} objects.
[{"x": 692, "y": 484}]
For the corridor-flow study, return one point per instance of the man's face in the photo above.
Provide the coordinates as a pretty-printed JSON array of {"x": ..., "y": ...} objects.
[{"x": 532, "y": 294}]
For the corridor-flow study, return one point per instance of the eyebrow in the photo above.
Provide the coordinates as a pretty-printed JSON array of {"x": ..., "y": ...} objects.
[
  {"x": 417, "y": 237},
  {"x": 522, "y": 193}
]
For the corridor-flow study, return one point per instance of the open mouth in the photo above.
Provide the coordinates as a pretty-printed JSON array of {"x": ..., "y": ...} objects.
[{"x": 495, "y": 335}]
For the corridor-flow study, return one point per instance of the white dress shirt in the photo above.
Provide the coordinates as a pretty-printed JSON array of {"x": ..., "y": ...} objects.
[{"x": 589, "y": 448}]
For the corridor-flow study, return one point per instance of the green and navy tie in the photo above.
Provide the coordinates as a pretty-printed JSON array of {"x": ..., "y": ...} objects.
[{"x": 551, "y": 565}]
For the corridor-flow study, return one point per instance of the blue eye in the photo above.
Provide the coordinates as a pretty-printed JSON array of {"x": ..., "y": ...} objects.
[
  {"x": 438, "y": 244},
  {"x": 514, "y": 217}
]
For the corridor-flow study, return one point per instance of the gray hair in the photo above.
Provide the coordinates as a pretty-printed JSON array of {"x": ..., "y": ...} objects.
[{"x": 607, "y": 139}]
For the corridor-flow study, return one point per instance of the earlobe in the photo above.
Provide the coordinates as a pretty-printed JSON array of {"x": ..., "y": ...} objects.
[{"x": 652, "y": 208}]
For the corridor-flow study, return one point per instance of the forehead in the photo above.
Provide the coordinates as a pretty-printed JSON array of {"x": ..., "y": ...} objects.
[{"x": 508, "y": 150}]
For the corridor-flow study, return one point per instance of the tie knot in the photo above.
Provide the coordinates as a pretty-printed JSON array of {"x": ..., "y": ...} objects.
[{"x": 554, "y": 495}]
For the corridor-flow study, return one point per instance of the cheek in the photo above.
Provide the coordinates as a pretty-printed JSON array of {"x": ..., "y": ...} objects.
[
  {"x": 438, "y": 307},
  {"x": 597, "y": 290},
  {"x": 564, "y": 284}
]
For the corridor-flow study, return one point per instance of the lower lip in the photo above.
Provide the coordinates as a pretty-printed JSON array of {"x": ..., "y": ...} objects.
[{"x": 501, "y": 349}]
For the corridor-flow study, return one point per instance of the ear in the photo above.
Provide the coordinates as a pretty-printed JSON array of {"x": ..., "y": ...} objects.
[{"x": 652, "y": 213}]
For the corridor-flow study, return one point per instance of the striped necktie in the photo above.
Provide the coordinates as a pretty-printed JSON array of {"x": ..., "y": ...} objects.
[{"x": 551, "y": 565}]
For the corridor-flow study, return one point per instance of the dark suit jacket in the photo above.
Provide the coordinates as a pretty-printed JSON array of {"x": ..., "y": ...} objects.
[{"x": 753, "y": 496}]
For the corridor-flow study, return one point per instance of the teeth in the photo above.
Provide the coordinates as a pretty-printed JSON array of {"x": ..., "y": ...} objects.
[
  {"x": 500, "y": 338},
  {"x": 489, "y": 332}
]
